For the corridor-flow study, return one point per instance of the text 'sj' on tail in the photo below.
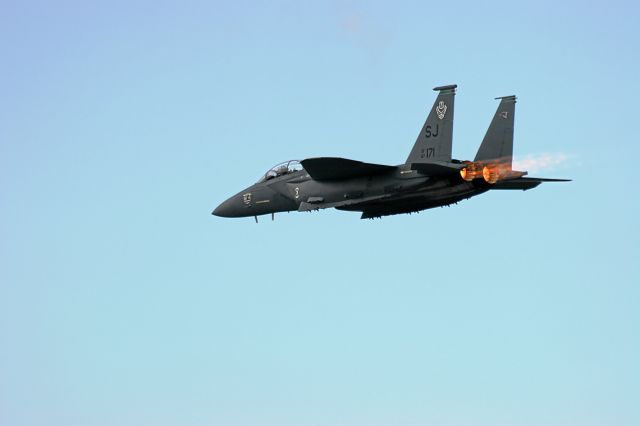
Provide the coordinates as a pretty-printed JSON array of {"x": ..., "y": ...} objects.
[{"x": 433, "y": 144}]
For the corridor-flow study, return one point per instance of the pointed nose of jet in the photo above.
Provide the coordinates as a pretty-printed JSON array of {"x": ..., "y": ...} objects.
[
  {"x": 233, "y": 207},
  {"x": 225, "y": 209}
]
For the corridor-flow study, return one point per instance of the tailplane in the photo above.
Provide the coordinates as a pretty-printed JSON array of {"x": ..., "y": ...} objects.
[
  {"x": 434, "y": 141},
  {"x": 524, "y": 183}
]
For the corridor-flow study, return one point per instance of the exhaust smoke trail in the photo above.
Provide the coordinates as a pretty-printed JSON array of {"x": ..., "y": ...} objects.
[{"x": 535, "y": 163}]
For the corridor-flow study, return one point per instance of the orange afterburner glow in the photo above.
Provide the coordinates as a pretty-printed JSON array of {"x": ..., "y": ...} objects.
[
  {"x": 491, "y": 172},
  {"x": 471, "y": 171}
]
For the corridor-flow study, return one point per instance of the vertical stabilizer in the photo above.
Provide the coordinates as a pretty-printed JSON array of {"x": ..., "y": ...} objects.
[
  {"x": 498, "y": 141},
  {"x": 434, "y": 141}
]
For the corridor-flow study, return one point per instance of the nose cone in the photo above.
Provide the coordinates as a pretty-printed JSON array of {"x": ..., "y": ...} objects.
[
  {"x": 226, "y": 209},
  {"x": 253, "y": 201}
]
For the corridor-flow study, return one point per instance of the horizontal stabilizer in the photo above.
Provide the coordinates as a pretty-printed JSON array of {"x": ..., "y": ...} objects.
[
  {"x": 334, "y": 168},
  {"x": 549, "y": 179},
  {"x": 524, "y": 183}
]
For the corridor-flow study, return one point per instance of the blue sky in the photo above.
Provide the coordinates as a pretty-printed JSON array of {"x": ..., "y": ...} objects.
[{"x": 123, "y": 301}]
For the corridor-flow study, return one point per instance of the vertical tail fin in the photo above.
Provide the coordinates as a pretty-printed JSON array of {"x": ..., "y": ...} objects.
[
  {"x": 498, "y": 141},
  {"x": 435, "y": 138}
]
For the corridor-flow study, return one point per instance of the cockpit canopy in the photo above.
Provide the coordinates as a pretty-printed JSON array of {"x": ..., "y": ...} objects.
[{"x": 282, "y": 169}]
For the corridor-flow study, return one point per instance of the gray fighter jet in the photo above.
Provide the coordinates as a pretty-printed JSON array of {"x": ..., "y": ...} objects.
[{"x": 429, "y": 178}]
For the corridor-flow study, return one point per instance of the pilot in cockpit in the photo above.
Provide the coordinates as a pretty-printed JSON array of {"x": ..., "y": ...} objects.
[{"x": 282, "y": 169}]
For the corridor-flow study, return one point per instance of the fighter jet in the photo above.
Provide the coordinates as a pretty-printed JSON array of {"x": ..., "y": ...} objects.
[{"x": 428, "y": 178}]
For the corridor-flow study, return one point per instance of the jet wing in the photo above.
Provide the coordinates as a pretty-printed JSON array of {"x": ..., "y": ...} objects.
[
  {"x": 334, "y": 168},
  {"x": 315, "y": 203},
  {"x": 524, "y": 183}
]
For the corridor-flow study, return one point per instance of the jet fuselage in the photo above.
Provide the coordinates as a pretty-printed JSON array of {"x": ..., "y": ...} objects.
[{"x": 400, "y": 191}]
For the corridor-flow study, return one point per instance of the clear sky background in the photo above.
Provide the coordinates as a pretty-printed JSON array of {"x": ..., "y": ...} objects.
[{"x": 124, "y": 302}]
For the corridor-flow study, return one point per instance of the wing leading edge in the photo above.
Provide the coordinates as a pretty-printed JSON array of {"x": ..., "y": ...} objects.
[{"x": 335, "y": 168}]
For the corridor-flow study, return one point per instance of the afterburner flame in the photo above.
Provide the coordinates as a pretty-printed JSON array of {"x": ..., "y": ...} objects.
[
  {"x": 471, "y": 171},
  {"x": 490, "y": 172}
]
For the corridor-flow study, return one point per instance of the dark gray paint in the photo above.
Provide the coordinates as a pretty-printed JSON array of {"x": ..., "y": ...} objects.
[
  {"x": 377, "y": 190},
  {"x": 498, "y": 141},
  {"x": 434, "y": 141}
]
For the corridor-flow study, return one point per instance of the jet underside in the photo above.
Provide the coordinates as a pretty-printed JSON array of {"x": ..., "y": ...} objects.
[{"x": 435, "y": 193}]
